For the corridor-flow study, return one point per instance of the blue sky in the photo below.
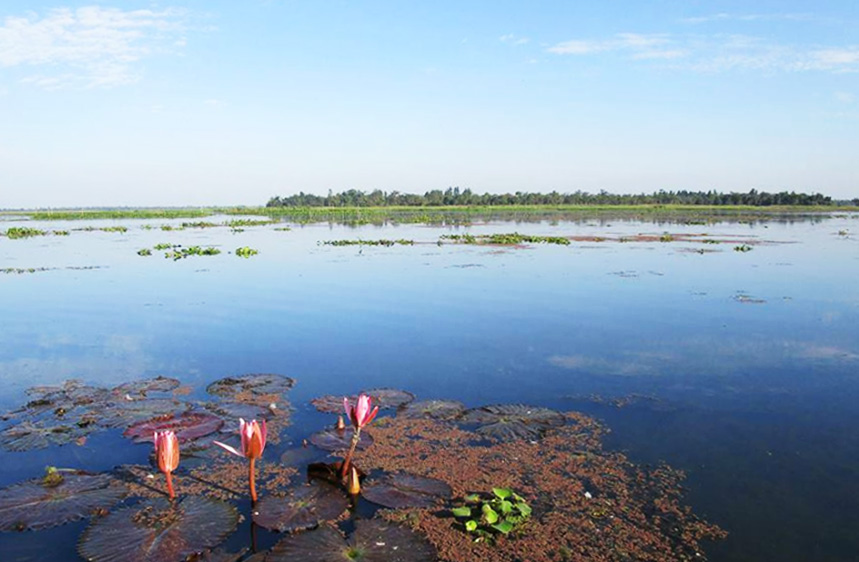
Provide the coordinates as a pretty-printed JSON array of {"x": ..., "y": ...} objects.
[{"x": 215, "y": 102}]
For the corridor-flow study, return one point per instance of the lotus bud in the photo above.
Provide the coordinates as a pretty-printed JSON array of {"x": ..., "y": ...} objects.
[{"x": 353, "y": 483}]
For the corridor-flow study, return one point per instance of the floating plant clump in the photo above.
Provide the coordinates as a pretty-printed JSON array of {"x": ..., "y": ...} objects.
[
  {"x": 301, "y": 508},
  {"x": 333, "y": 439},
  {"x": 507, "y": 422},
  {"x": 400, "y": 490},
  {"x": 158, "y": 530},
  {"x": 485, "y": 516},
  {"x": 372, "y": 541},
  {"x": 58, "y": 498},
  {"x": 382, "y": 242},
  {"x": 504, "y": 239},
  {"x": 433, "y": 409}
]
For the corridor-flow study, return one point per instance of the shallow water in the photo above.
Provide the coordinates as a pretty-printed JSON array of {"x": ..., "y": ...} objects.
[{"x": 745, "y": 365}]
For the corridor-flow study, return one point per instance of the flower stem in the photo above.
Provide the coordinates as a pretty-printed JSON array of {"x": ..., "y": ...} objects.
[
  {"x": 170, "y": 485},
  {"x": 251, "y": 478},
  {"x": 347, "y": 462}
]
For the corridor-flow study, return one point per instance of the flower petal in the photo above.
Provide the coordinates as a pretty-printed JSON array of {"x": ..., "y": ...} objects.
[{"x": 232, "y": 450}]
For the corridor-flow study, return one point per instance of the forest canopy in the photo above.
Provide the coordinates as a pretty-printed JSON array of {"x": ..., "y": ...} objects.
[{"x": 454, "y": 196}]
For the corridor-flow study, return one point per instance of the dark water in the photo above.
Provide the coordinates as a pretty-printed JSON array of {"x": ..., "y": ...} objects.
[{"x": 746, "y": 365}]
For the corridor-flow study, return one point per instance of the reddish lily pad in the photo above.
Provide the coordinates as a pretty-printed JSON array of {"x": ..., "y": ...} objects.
[
  {"x": 373, "y": 541},
  {"x": 157, "y": 530},
  {"x": 187, "y": 427},
  {"x": 142, "y": 387},
  {"x": 35, "y": 505},
  {"x": 302, "y": 508},
  {"x": 401, "y": 490},
  {"x": 433, "y": 409},
  {"x": 508, "y": 422},
  {"x": 254, "y": 385},
  {"x": 218, "y": 555},
  {"x": 331, "y": 404},
  {"x": 26, "y": 436},
  {"x": 339, "y": 440},
  {"x": 124, "y": 412}
]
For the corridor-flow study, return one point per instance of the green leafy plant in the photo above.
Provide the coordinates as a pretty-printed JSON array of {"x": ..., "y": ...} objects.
[
  {"x": 743, "y": 248},
  {"x": 23, "y": 232},
  {"x": 179, "y": 252},
  {"x": 486, "y": 516},
  {"x": 144, "y": 252},
  {"x": 246, "y": 252}
]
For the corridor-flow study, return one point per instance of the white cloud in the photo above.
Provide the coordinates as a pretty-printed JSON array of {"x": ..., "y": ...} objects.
[
  {"x": 513, "y": 39},
  {"x": 90, "y": 46},
  {"x": 724, "y": 16},
  {"x": 716, "y": 52}
]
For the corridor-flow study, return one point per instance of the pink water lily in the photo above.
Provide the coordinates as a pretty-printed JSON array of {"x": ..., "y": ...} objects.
[
  {"x": 167, "y": 455},
  {"x": 360, "y": 414},
  {"x": 253, "y": 436}
]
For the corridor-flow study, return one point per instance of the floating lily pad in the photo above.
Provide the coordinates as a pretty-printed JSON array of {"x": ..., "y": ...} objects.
[
  {"x": 218, "y": 555},
  {"x": 302, "y": 508},
  {"x": 299, "y": 456},
  {"x": 35, "y": 505},
  {"x": 507, "y": 422},
  {"x": 331, "y": 404},
  {"x": 403, "y": 490},
  {"x": 187, "y": 427},
  {"x": 231, "y": 411},
  {"x": 142, "y": 387},
  {"x": 26, "y": 436},
  {"x": 124, "y": 412},
  {"x": 237, "y": 388},
  {"x": 389, "y": 398},
  {"x": 338, "y": 440},
  {"x": 157, "y": 530},
  {"x": 63, "y": 398},
  {"x": 373, "y": 541},
  {"x": 433, "y": 409}
]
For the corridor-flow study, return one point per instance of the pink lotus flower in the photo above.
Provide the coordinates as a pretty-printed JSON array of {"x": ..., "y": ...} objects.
[
  {"x": 253, "y": 440},
  {"x": 360, "y": 414},
  {"x": 253, "y": 444},
  {"x": 167, "y": 455}
]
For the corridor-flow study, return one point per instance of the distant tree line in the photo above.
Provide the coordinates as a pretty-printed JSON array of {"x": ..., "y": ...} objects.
[{"x": 457, "y": 196}]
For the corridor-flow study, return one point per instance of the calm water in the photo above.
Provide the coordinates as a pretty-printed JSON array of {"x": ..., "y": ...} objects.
[{"x": 749, "y": 361}]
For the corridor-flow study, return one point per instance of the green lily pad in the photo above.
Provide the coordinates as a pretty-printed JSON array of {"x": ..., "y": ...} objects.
[
  {"x": 302, "y": 508},
  {"x": 145, "y": 386},
  {"x": 333, "y": 439},
  {"x": 433, "y": 409},
  {"x": 508, "y": 422},
  {"x": 34, "y": 505},
  {"x": 123, "y": 413},
  {"x": 373, "y": 541},
  {"x": 187, "y": 427},
  {"x": 246, "y": 388},
  {"x": 401, "y": 490},
  {"x": 158, "y": 530},
  {"x": 27, "y": 436}
]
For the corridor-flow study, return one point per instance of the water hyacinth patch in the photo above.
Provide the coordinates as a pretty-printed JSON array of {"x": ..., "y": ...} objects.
[{"x": 485, "y": 516}]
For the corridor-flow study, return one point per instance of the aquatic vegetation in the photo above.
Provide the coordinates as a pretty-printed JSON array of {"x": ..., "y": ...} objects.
[
  {"x": 251, "y": 388},
  {"x": 246, "y": 252},
  {"x": 386, "y": 398},
  {"x": 332, "y": 439},
  {"x": 512, "y": 239},
  {"x": 240, "y": 223},
  {"x": 27, "y": 436},
  {"x": 433, "y": 409},
  {"x": 303, "y": 507},
  {"x": 141, "y": 387},
  {"x": 60, "y": 232},
  {"x": 20, "y": 270},
  {"x": 144, "y": 252},
  {"x": 157, "y": 530},
  {"x": 666, "y": 237},
  {"x": 372, "y": 541},
  {"x": 17, "y": 232},
  {"x": 163, "y": 246},
  {"x": 401, "y": 490},
  {"x": 484, "y": 516},
  {"x": 743, "y": 248},
  {"x": 179, "y": 252},
  {"x": 185, "y": 427},
  {"x": 167, "y": 456},
  {"x": 508, "y": 422},
  {"x": 58, "y": 498},
  {"x": 381, "y": 242},
  {"x": 283, "y": 229},
  {"x": 121, "y": 229},
  {"x": 253, "y": 437},
  {"x": 361, "y": 414},
  {"x": 199, "y": 224}
]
